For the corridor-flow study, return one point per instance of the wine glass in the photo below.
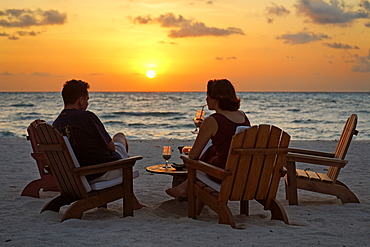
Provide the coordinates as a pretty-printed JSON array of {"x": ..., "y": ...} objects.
[
  {"x": 198, "y": 119},
  {"x": 166, "y": 155}
]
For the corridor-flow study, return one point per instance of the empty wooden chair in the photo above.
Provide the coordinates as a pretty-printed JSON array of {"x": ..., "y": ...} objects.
[
  {"x": 321, "y": 182},
  {"x": 46, "y": 182},
  {"x": 75, "y": 189},
  {"x": 253, "y": 170}
]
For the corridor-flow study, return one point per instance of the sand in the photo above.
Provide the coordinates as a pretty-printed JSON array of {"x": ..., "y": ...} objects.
[{"x": 319, "y": 220}]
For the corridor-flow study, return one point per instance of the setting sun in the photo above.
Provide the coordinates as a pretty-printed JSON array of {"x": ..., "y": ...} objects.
[{"x": 150, "y": 73}]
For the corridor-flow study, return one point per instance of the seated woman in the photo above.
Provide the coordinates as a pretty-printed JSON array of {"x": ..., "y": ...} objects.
[{"x": 218, "y": 127}]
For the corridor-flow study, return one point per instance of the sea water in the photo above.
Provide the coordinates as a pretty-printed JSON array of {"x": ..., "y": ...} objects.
[{"x": 169, "y": 115}]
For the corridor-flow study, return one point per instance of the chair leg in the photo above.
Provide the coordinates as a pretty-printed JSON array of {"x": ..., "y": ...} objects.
[
  {"x": 225, "y": 215},
  {"x": 345, "y": 194},
  {"x": 192, "y": 209},
  {"x": 32, "y": 189},
  {"x": 244, "y": 207},
  {"x": 76, "y": 210},
  {"x": 199, "y": 206},
  {"x": 337, "y": 189},
  {"x": 56, "y": 203},
  {"x": 277, "y": 210},
  {"x": 291, "y": 183}
]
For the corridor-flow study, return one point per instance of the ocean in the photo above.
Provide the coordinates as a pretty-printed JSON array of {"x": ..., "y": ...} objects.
[{"x": 169, "y": 115}]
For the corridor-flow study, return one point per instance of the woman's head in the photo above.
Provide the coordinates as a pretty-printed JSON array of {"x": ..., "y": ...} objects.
[{"x": 223, "y": 91}]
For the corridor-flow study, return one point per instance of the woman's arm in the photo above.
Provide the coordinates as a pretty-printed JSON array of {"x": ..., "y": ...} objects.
[{"x": 207, "y": 130}]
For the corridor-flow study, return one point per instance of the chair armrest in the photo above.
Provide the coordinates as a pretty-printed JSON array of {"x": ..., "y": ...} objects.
[
  {"x": 205, "y": 167},
  {"x": 104, "y": 167},
  {"x": 310, "y": 152},
  {"x": 317, "y": 160}
]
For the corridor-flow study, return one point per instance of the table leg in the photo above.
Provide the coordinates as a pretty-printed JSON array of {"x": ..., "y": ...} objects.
[{"x": 178, "y": 179}]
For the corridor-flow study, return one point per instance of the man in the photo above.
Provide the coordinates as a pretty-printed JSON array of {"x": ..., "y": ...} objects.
[{"x": 89, "y": 140}]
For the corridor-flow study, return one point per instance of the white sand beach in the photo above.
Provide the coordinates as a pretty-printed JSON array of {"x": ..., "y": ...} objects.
[{"x": 319, "y": 220}]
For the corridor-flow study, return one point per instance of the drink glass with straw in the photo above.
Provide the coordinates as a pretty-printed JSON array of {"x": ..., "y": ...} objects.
[
  {"x": 198, "y": 119},
  {"x": 166, "y": 155}
]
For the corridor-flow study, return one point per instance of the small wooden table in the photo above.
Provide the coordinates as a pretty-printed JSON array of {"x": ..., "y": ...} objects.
[{"x": 178, "y": 176}]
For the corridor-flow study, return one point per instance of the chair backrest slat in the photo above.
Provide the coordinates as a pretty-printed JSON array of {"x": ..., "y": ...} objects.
[
  {"x": 60, "y": 161},
  {"x": 37, "y": 155},
  {"x": 268, "y": 164},
  {"x": 343, "y": 144},
  {"x": 257, "y": 162},
  {"x": 255, "y": 175},
  {"x": 242, "y": 162}
]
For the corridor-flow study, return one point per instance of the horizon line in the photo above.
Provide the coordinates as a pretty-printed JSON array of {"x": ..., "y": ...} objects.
[{"x": 200, "y": 91}]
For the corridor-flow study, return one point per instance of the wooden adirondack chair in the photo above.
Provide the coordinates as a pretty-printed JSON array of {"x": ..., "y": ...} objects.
[
  {"x": 253, "y": 170},
  {"x": 72, "y": 182},
  {"x": 321, "y": 182},
  {"x": 46, "y": 182}
]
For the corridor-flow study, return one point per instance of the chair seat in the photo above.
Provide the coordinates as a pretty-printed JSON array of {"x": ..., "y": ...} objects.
[
  {"x": 109, "y": 183},
  {"x": 205, "y": 179},
  {"x": 322, "y": 177}
]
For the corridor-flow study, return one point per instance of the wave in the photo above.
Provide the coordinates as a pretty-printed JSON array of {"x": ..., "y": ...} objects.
[
  {"x": 306, "y": 121},
  {"x": 294, "y": 110},
  {"x": 146, "y": 114},
  {"x": 7, "y": 134},
  {"x": 22, "y": 105}
]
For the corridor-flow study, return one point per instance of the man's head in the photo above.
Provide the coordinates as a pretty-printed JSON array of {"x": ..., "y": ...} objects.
[{"x": 75, "y": 94}]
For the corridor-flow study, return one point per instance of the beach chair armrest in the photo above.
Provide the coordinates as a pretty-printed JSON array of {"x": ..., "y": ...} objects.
[
  {"x": 104, "y": 167},
  {"x": 317, "y": 160},
  {"x": 310, "y": 152},
  {"x": 205, "y": 167}
]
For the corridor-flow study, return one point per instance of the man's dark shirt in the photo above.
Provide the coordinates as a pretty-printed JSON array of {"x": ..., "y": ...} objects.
[{"x": 88, "y": 137}]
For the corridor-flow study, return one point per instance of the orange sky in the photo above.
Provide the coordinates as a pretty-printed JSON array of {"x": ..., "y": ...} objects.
[{"x": 290, "y": 45}]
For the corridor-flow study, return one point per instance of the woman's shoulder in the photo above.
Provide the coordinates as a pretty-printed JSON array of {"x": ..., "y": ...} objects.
[{"x": 233, "y": 116}]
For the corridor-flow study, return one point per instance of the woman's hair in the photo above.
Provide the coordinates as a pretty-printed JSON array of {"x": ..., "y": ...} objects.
[
  {"x": 223, "y": 91},
  {"x": 74, "y": 89}
]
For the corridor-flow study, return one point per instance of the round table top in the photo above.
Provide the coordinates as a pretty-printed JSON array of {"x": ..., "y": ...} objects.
[{"x": 161, "y": 170}]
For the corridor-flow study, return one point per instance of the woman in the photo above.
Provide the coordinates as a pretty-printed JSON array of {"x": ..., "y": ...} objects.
[{"x": 218, "y": 127}]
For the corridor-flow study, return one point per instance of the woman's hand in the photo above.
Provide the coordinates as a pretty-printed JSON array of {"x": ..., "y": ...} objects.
[{"x": 207, "y": 130}]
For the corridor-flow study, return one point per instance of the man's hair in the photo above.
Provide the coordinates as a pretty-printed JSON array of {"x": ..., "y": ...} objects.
[
  {"x": 223, "y": 91},
  {"x": 74, "y": 89}
]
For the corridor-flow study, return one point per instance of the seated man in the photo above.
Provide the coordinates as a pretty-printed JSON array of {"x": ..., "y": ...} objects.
[{"x": 89, "y": 140}]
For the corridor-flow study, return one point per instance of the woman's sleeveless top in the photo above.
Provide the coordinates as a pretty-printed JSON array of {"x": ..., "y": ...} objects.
[{"x": 217, "y": 153}]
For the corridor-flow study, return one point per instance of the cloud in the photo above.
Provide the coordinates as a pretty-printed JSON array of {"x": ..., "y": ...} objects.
[
  {"x": 365, "y": 5},
  {"x": 276, "y": 10},
  {"x": 337, "y": 45},
  {"x": 321, "y": 12},
  {"x": 362, "y": 64},
  {"x": 15, "y": 35},
  {"x": 38, "y": 74},
  {"x": 182, "y": 27},
  {"x": 6, "y": 73},
  {"x": 26, "y": 18},
  {"x": 164, "y": 42},
  {"x": 227, "y": 58},
  {"x": 302, "y": 37},
  {"x": 142, "y": 20}
]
